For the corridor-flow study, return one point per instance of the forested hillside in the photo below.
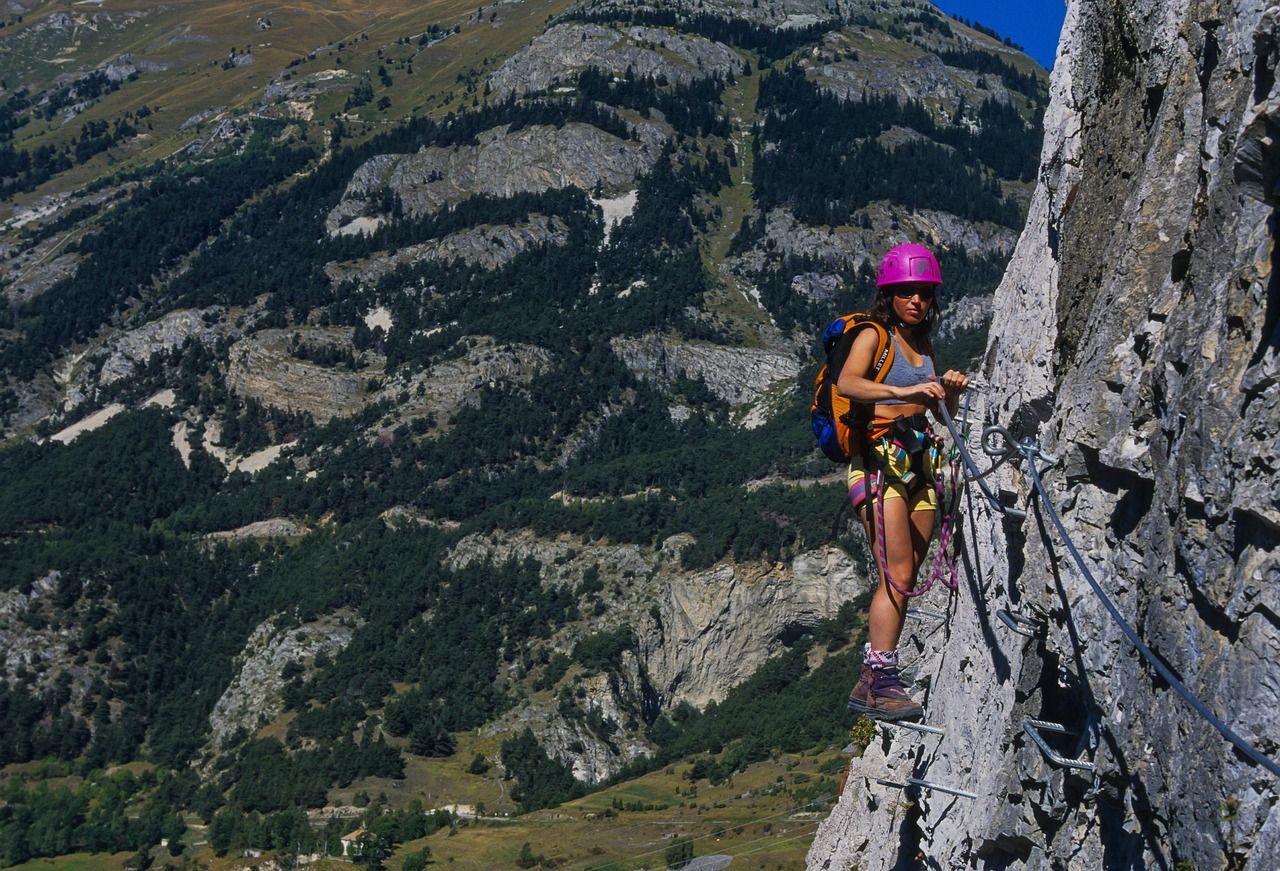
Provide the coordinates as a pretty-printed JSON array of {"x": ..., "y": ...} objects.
[{"x": 403, "y": 408}]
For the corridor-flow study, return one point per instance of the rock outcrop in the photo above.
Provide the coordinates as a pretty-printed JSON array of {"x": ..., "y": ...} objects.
[
  {"x": 964, "y": 314},
  {"x": 715, "y": 628},
  {"x": 528, "y": 160},
  {"x": 885, "y": 225},
  {"x": 924, "y": 77},
  {"x": 261, "y": 367},
  {"x": 441, "y": 390},
  {"x": 772, "y": 13},
  {"x": 487, "y": 246},
  {"x": 735, "y": 375},
  {"x": 1136, "y": 337},
  {"x": 253, "y": 696},
  {"x": 566, "y": 49}
]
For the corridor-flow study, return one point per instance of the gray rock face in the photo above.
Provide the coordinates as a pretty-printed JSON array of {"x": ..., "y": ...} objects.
[
  {"x": 304, "y": 87},
  {"x": 446, "y": 387},
  {"x": 275, "y": 527},
  {"x": 262, "y": 368},
  {"x": 532, "y": 159},
  {"x": 773, "y": 13},
  {"x": 128, "y": 350},
  {"x": 566, "y": 49},
  {"x": 616, "y": 698},
  {"x": 39, "y": 277},
  {"x": 127, "y": 65},
  {"x": 253, "y": 697},
  {"x": 898, "y": 70},
  {"x": 853, "y": 246},
  {"x": 966, "y": 313},
  {"x": 816, "y": 286},
  {"x": 120, "y": 355},
  {"x": 41, "y": 637},
  {"x": 487, "y": 246},
  {"x": 1135, "y": 334},
  {"x": 715, "y": 628},
  {"x": 736, "y": 375}
]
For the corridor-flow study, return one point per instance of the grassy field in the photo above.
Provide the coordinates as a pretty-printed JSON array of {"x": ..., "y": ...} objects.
[
  {"x": 77, "y": 862},
  {"x": 763, "y": 817}
]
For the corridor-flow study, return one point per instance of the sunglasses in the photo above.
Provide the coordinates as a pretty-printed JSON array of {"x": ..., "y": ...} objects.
[{"x": 907, "y": 291}]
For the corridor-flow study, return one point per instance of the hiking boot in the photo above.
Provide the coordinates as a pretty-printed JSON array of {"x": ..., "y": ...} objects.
[
  {"x": 880, "y": 696},
  {"x": 862, "y": 689}
]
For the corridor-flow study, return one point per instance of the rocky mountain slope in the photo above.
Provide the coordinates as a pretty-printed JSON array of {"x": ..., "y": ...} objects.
[
  {"x": 1135, "y": 337},
  {"x": 429, "y": 374}
]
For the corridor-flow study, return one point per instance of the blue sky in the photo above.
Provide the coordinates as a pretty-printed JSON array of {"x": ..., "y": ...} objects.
[{"x": 1033, "y": 24}]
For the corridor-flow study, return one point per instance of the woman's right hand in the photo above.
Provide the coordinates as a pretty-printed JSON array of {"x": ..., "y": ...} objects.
[{"x": 924, "y": 393}]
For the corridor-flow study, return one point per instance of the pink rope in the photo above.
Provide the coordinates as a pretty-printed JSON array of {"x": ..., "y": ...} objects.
[{"x": 878, "y": 496}]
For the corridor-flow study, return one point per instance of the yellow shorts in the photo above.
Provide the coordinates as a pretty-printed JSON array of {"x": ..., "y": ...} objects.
[
  {"x": 919, "y": 496},
  {"x": 920, "y": 465}
]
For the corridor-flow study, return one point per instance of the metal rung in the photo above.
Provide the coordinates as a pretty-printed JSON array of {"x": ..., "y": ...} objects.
[
  {"x": 1014, "y": 621},
  {"x": 924, "y": 784},
  {"x": 925, "y": 614},
  {"x": 915, "y": 727},
  {"x": 1010, "y": 511},
  {"x": 1033, "y": 727}
]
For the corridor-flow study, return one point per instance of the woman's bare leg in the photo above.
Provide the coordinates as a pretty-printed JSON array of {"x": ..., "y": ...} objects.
[
  {"x": 906, "y": 544},
  {"x": 888, "y": 606}
]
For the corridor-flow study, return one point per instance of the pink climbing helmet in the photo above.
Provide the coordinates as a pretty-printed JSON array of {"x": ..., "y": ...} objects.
[{"x": 906, "y": 263}]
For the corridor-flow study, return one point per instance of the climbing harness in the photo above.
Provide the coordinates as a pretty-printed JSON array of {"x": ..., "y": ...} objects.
[{"x": 999, "y": 442}]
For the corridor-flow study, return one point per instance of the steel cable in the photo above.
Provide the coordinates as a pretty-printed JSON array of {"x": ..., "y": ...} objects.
[
  {"x": 1200, "y": 707},
  {"x": 1030, "y": 452}
]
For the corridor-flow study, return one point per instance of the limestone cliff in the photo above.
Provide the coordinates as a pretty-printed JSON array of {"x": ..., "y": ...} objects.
[
  {"x": 564, "y": 50},
  {"x": 535, "y": 158},
  {"x": 698, "y": 633},
  {"x": 735, "y": 375},
  {"x": 253, "y": 697},
  {"x": 1135, "y": 336}
]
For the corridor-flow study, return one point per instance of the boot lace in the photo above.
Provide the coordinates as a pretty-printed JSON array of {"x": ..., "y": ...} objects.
[{"x": 887, "y": 682}]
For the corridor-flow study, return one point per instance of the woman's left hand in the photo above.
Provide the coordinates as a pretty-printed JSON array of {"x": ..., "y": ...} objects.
[{"x": 954, "y": 382}]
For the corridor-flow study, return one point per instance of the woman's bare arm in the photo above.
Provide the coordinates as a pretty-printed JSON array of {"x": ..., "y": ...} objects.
[{"x": 854, "y": 384}]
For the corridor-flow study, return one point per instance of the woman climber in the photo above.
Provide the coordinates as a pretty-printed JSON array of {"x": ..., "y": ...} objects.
[{"x": 894, "y": 481}]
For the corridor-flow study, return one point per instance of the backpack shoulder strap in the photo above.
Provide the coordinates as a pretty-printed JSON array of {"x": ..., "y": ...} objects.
[
  {"x": 883, "y": 359},
  {"x": 885, "y": 352}
]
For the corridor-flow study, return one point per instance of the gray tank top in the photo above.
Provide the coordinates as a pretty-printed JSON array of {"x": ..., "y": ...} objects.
[{"x": 903, "y": 374}]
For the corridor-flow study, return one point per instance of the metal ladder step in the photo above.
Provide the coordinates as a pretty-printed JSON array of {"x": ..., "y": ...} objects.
[
  {"x": 925, "y": 614},
  {"x": 914, "y": 727},
  {"x": 1034, "y": 727},
  {"x": 1020, "y": 624},
  {"x": 925, "y": 784}
]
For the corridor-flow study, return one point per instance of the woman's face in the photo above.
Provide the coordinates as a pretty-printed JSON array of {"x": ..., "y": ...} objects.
[{"x": 911, "y": 301}]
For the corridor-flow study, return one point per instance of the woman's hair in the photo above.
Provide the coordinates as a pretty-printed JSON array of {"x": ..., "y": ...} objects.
[{"x": 882, "y": 311}]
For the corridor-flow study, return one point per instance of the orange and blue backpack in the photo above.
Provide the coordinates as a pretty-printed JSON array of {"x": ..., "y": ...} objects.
[{"x": 835, "y": 419}]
